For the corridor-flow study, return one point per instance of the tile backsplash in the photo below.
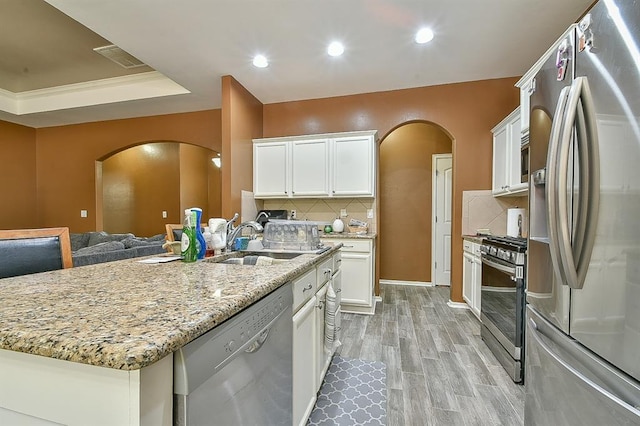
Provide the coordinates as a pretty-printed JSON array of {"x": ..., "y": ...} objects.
[
  {"x": 326, "y": 209},
  {"x": 481, "y": 210}
]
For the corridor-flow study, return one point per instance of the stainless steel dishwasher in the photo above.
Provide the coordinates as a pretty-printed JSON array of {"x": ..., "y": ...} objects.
[{"x": 239, "y": 373}]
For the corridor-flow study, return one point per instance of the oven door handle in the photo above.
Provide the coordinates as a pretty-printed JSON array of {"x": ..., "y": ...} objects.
[{"x": 500, "y": 267}]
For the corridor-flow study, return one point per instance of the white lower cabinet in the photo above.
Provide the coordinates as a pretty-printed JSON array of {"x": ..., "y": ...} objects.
[
  {"x": 321, "y": 355},
  {"x": 304, "y": 391},
  {"x": 358, "y": 272},
  {"x": 310, "y": 360},
  {"x": 472, "y": 276}
]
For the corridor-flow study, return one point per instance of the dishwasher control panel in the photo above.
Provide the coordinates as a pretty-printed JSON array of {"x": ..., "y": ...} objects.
[{"x": 213, "y": 350}]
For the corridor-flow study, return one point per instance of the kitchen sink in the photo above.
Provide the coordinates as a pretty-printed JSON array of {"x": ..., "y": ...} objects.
[{"x": 260, "y": 259}]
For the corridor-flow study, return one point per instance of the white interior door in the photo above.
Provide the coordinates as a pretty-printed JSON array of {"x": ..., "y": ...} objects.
[{"x": 441, "y": 220}]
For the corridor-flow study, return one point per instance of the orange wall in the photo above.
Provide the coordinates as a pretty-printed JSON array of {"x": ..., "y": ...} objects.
[
  {"x": 66, "y": 156},
  {"x": 17, "y": 176},
  {"x": 405, "y": 200},
  {"x": 195, "y": 169},
  {"x": 467, "y": 111},
  {"x": 130, "y": 182},
  {"x": 241, "y": 123}
]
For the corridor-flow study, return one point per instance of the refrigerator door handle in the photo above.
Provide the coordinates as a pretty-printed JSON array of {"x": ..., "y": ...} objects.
[
  {"x": 588, "y": 143},
  {"x": 574, "y": 258},
  {"x": 552, "y": 188},
  {"x": 578, "y": 375}
]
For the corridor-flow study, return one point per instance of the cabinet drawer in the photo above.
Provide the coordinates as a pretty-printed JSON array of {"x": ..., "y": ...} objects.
[
  {"x": 303, "y": 288},
  {"x": 324, "y": 272},
  {"x": 471, "y": 247},
  {"x": 356, "y": 245}
]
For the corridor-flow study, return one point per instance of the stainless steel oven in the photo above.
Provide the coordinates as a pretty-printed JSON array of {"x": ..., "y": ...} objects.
[{"x": 503, "y": 301}]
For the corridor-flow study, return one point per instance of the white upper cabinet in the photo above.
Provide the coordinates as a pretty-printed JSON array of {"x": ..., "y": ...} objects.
[
  {"x": 315, "y": 166},
  {"x": 527, "y": 84},
  {"x": 271, "y": 169},
  {"x": 310, "y": 168},
  {"x": 506, "y": 157},
  {"x": 353, "y": 166}
]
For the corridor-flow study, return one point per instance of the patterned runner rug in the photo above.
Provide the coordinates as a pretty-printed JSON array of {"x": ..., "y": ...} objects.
[{"x": 354, "y": 392}]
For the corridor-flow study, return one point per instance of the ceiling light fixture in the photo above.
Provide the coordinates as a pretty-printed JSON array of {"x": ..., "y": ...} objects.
[
  {"x": 335, "y": 49},
  {"x": 424, "y": 35},
  {"x": 260, "y": 61}
]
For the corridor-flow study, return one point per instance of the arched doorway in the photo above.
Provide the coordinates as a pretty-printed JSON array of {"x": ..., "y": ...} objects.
[
  {"x": 405, "y": 199},
  {"x": 144, "y": 187}
]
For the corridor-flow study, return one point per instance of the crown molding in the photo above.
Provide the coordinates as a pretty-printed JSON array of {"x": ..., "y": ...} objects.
[{"x": 119, "y": 89}]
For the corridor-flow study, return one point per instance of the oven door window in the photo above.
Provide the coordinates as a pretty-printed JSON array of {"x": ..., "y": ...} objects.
[{"x": 500, "y": 298}]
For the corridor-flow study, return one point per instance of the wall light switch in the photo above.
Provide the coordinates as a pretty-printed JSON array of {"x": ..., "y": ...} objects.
[
  {"x": 83, "y": 213},
  {"x": 369, "y": 213},
  {"x": 164, "y": 214},
  {"x": 343, "y": 213}
]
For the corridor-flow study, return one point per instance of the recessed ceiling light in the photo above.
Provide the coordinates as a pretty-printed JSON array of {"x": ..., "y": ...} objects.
[
  {"x": 260, "y": 61},
  {"x": 335, "y": 49},
  {"x": 424, "y": 35}
]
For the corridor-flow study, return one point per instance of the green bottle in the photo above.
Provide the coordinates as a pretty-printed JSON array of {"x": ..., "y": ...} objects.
[{"x": 188, "y": 240}]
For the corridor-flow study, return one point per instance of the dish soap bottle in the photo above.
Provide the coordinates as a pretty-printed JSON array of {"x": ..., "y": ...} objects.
[
  {"x": 201, "y": 243},
  {"x": 338, "y": 225},
  {"x": 188, "y": 240}
]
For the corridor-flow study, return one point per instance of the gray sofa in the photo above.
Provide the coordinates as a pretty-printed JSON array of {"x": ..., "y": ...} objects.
[{"x": 97, "y": 247}]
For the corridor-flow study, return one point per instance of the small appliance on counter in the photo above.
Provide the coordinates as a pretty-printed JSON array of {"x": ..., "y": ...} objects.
[
  {"x": 516, "y": 222},
  {"x": 264, "y": 215}
]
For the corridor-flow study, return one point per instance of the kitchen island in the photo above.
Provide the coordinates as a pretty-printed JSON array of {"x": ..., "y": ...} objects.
[{"x": 94, "y": 344}]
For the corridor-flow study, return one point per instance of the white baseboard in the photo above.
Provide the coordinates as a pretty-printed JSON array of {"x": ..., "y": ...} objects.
[
  {"x": 457, "y": 305},
  {"x": 411, "y": 283}
]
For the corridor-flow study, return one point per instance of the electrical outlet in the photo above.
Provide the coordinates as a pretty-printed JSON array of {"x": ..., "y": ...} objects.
[
  {"x": 83, "y": 213},
  {"x": 369, "y": 213},
  {"x": 164, "y": 214},
  {"x": 343, "y": 213},
  {"x": 293, "y": 214}
]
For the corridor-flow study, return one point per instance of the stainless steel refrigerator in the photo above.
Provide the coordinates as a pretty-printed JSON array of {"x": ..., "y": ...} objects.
[{"x": 582, "y": 362}]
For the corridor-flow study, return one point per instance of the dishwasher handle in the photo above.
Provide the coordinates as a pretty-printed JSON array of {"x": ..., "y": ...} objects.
[{"x": 258, "y": 342}]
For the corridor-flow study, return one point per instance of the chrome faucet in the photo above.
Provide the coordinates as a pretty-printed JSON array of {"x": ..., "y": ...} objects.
[
  {"x": 233, "y": 233},
  {"x": 230, "y": 226},
  {"x": 262, "y": 213}
]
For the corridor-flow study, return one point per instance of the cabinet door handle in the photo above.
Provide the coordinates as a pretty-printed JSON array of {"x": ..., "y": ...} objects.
[
  {"x": 309, "y": 287},
  {"x": 339, "y": 290},
  {"x": 347, "y": 246},
  {"x": 339, "y": 261},
  {"x": 320, "y": 305}
]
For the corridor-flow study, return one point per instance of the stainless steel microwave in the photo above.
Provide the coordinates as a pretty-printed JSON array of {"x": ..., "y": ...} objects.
[{"x": 524, "y": 159}]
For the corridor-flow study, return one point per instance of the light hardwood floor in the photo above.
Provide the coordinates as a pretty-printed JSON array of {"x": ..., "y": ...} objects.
[{"x": 439, "y": 371}]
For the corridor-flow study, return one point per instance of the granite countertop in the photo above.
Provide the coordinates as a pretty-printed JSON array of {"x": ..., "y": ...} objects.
[
  {"x": 368, "y": 236},
  {"x": 126, "y": 314}
]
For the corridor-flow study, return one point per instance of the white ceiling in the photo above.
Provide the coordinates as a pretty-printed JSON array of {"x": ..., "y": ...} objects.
[{"x": 195, "y": 42}]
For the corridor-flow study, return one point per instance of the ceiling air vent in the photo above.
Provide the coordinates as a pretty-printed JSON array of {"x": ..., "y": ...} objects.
[{"x": 119, "y": 56}]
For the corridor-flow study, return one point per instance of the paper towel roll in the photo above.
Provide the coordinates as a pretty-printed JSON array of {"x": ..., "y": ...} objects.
[{"x": 516, "y": 222}]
